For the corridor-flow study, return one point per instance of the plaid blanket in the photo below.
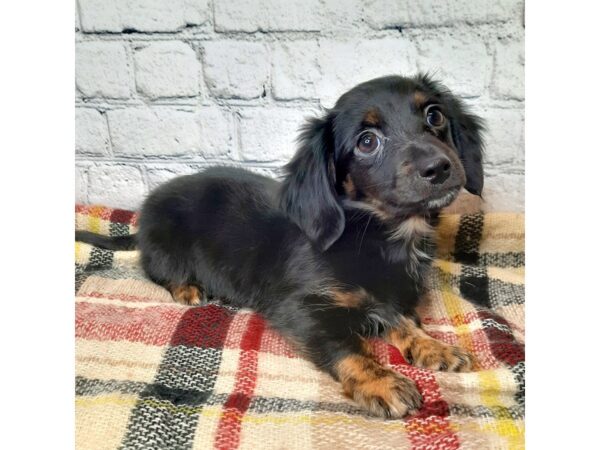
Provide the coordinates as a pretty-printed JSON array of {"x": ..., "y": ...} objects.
[{"x": 153, "y": 374}]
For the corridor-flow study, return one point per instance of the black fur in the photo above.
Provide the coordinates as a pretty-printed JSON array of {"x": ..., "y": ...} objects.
[{"x": 337, "y": 222}]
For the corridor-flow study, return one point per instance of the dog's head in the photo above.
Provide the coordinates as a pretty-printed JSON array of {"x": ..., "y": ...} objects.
[{"x": 396, "y": 146}]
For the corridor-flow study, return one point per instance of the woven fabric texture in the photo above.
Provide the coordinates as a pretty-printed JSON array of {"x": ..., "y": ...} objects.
[{"x": 154, "y": 374}]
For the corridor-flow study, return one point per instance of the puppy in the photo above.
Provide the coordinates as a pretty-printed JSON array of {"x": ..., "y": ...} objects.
[{"x": 338, "y": 251}]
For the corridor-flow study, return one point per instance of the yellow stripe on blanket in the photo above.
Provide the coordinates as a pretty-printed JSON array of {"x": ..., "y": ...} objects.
[
  {"x": 490, "y": 388},
  {"x": 503, "y": 233},
  {"x": 82, "y": 253}
]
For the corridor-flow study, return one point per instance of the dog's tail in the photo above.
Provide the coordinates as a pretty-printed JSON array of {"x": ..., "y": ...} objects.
[{"x": 107, "y": 242}]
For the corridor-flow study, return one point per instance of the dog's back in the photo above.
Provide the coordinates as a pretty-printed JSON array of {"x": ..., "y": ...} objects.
[{"x": 220, "y": 228}]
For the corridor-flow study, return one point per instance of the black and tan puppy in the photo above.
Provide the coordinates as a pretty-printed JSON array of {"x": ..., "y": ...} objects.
[{"x": 337, "y": 252}]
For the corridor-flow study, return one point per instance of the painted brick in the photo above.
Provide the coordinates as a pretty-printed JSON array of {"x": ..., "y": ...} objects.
[
  {"x": 141, "y": 15},
  {"x": 448, "y": 12},
  {"x": 77, "y": 24},
  {"x": 269, "y": 134},
  {"x": 268, "y": 15},
  {"x": 116, "y": 185},
  {"x": 102, "y": 70},
  {"x": 236, "y": 69},
  {"x": 157, "y": 175},
  {"x": 504, "y": 192},
  {"x": 343, "y": 17},
  {"x": 296, "y": 70},
  {"x": 460, "y": 60},
  {"x": 153, "y": 131},
  {"x": 404, "y": 13},
  {"x": 204, "y": 82},
  {"x": 380, "y": 14},
  {"x": 167, "y": 69},
  {"x": 162, "y": 174},
  {"x": 81, "y": 184},
  {"x": 216, "y": 134},
  {"x": 319, "y": 69},
  {"x": 347, "y": 63},
  {"x": 509, "y": 70},
  {"x": 504, "y": 137},
  {"x": 91, "y": 132}
]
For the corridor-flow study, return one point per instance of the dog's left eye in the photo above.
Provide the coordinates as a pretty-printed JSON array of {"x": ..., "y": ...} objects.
[
  {"x": 368, "y": 142},
  {"x": 434, "y": 116}
]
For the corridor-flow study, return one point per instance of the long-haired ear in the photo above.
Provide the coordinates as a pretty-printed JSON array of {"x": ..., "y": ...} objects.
[
  {"x": 308, "y": 192},
  {"x": 467, "y": 132}
]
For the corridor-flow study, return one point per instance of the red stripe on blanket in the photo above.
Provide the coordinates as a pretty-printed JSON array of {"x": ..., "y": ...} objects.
[
  {"x": 122, "y": 216},
  {"x": 502, "y": 343},
  {"x": 101, "y": 212},
  {"x": 109, "y": 214},
  {"x": 479, "y": 346},
  {"x": 230, "y": 423},
  {"x": 429, "y": 428},
  {"x": 237, "y": 329},
  {"x": 153, "y": 325},
  {"x": 395, "y": 358},
  {"x": 204, "y": 327},
  {"x": 275, "y": 344}
]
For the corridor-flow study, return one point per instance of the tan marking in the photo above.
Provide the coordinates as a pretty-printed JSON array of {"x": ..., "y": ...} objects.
[
  {"x": 420, "y": 99},
  {"x": 372, "y": 118},
  {"x": 426, "y": 352},
  {"x": 366, "y": 347},
  {"x": 349, "y": 299},
  {"x": 186, "y": 294},
  {"x": 349, "y": 187},
  {"x": 377, "y": 207},
  {"x": 380, "y": 390},
  {"x": 412, "y": 231},
  {"x": 411, "y": 228}
]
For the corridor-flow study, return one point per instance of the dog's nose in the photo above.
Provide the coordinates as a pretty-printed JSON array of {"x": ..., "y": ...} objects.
[{"x": 435, "y": 169}]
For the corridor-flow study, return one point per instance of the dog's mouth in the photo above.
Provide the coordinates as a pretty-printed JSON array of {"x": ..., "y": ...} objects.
[
  {"x": 443, "y": 199},
  {"x": 392, "y": 209},
  {"x": 435, "y": 201}
]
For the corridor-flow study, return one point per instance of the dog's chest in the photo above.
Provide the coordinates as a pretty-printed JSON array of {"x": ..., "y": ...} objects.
[{"x": 386, "y": 270}]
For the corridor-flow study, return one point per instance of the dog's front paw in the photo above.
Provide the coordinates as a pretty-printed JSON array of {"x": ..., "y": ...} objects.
[
  {"x": 187, "y": 294},
  {"x": 391, "y": 396},
  {"x": 381, "y": 391},
  {"x": 436, "y": 355}
]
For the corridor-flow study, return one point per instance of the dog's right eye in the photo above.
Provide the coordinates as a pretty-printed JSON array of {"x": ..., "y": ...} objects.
[
  {"x": 434, "y": 116},
  {"x": 368, "y": 142}
]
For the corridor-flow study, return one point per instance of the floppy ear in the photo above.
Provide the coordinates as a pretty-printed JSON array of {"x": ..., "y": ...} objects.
[
  {"x": 308, "y": 192},
  {"x": 467, "y": 135}
]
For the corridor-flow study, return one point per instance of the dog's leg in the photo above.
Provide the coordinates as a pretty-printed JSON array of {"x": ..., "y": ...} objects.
[
  {"x": 187, "y": 294},
  {"x": 378, "y": 389},
  {"x": 423, "y": 351}
]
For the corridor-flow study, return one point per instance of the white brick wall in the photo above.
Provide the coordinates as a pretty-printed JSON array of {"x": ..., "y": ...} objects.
[
  {"x": 165, "y": 88},
  {"x": 102, "y": 70},
  {"x": 166, "y": 69}
]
